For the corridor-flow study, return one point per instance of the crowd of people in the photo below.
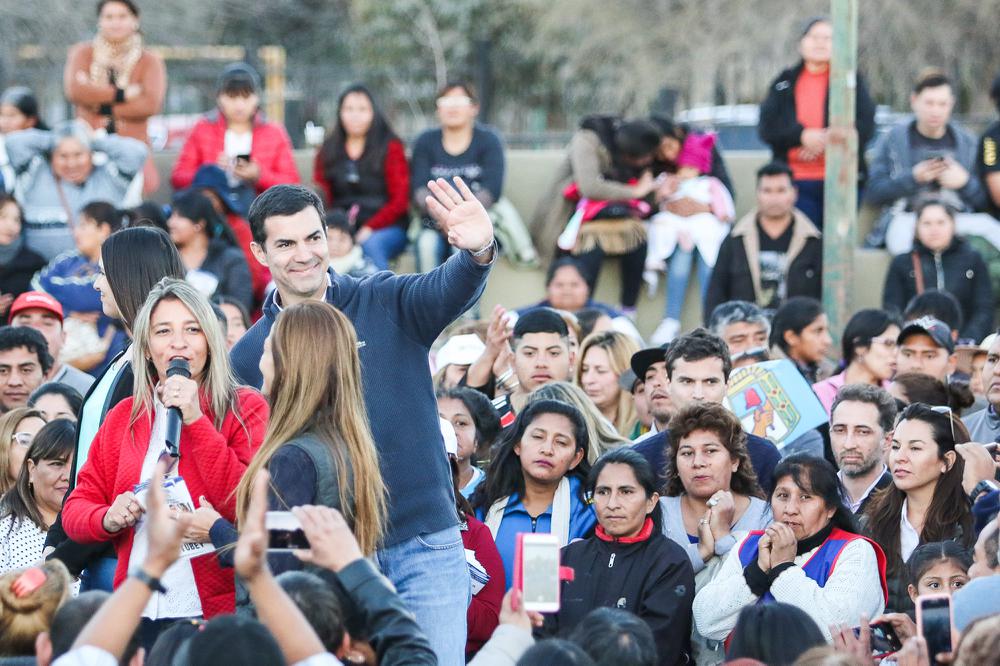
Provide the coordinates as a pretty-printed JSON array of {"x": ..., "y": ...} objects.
[{"x": 176, "y": 381}]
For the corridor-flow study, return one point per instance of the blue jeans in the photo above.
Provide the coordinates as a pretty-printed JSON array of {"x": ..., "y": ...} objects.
[
  {"x": 384, "y": 245},
  {"x": 677, "y": 280},
  {"x": 100, "y": 575},
  {"x": 432, "y": 578},
  {"x": 810, "y": 200}
]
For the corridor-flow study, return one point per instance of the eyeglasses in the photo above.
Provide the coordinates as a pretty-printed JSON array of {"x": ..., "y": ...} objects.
[
  {"x": 23, "y": 438},
  {"x": 888, "y": 343},
  {"x": 452, "y": 102}
]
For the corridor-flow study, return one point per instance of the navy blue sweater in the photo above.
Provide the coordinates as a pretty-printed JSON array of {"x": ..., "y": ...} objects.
[
  {"x": 397, "y": 318},
  {"x": 764, "y": 457}
]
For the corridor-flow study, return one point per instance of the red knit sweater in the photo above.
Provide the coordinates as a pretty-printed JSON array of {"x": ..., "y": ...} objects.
[{"x": 211, "y": 464}]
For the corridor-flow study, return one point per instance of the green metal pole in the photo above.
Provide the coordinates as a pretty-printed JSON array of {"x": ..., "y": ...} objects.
[{"x": 840, "y": 201}]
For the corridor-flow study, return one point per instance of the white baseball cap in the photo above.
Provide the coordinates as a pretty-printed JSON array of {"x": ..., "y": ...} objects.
[{"x": 460, "y": 350}]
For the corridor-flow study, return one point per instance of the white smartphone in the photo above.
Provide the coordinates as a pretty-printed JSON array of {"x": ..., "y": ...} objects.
[{"x": 536, "y": 571}]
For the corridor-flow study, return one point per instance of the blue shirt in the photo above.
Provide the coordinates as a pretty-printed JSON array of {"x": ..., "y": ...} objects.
[{"x": 516, "y": 519}]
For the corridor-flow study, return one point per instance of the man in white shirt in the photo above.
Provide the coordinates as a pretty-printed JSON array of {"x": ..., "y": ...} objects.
[{"x": 861, "y": 422}]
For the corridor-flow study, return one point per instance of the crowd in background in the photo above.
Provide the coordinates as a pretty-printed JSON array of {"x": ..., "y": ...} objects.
[{"x": 170, "y": 376}]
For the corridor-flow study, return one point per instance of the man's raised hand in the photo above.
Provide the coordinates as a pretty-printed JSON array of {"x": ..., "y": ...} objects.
[{"x": 460, "y": 215}]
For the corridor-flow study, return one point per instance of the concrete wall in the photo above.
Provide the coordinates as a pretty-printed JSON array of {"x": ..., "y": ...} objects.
[{"x": 529, "y": 173}]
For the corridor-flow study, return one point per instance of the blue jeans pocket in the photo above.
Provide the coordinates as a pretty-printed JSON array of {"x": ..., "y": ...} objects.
[{"x": 441, "y": 540}]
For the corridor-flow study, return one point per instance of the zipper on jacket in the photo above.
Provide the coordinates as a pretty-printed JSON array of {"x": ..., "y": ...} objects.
[
  {"x": 939, "y": 271},
  {"x": 611, "y": 562}
]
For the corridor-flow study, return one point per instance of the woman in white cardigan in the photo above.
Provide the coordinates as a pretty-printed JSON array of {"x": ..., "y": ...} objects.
[{"x": 811, "y": 557}]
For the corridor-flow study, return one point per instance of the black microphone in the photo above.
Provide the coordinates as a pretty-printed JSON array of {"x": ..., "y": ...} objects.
[{"x": 178, "y": 366}]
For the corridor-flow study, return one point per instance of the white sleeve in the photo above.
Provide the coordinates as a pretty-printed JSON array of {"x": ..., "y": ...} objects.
[
  {"x": 87, "y": 655},
  {"x": 719, "y": 603},
  {"x": 852, "y": 590}
]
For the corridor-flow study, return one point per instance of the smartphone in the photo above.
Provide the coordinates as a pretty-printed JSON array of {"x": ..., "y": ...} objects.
[
  {"x": 884, "y": 640},
  {"x": 536, "y": 571},
  {"x": 934, "y": 622},
  {"x": 243, "y": 158},
  {"x": 938, "y": 155},
  {"x": 284, "y": 531},
  {"x": 991, "y": 447}
]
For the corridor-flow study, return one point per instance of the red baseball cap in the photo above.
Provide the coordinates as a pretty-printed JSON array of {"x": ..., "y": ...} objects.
[{"x": 35, "y": 299}]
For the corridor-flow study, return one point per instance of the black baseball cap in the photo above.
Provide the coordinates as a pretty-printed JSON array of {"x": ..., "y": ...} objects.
[
  {"x": 642, "y": 359},
  {"x": 933, "y": 328}
]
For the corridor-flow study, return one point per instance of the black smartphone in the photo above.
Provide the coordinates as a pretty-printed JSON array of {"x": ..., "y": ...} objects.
[
  {"x": 284, "y": 531},
  {"x": 884, "y": 640},
  {"x": 934, "y": 623},
  {"x": 243, "y": 158}
]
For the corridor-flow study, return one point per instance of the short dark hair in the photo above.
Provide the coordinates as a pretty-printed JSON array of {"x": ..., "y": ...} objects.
[
  {"x": 336, "y": 219},
  {"x": 555, "y": 651},
  {"x": 71, "y": 618},
  {"x": 862, "y": 327},
  {"x": 774, "y": 168},
  {"x": 773, "y": 633},
  {"x": 637, "y": 138},
  {"x": 238, "y": 79},
  {"x": 463, "y": 85},
  {"x": 941, "y": 305},
  {"x": 13, "y": 337},
  {"x": 933, "y": 78},
  {"x": 697, "y": 345},
  {"x": 616, "y": 637},
  {"x": 222, "y": 299},
  {"x": 69, "y": 394},
  {"x": 132, "y": 7},
  {"x": 103, "y": 213},
  {"x": 318, "y": 603},
  {"x": 564, "y": 262},
  {"x": 170, "y": 642},
  {"x": 281, "y": 200},
  {"x": 540, "y": 320},
  {"x": 794, "y": 315},
  {"x": 870, "y": 395}
]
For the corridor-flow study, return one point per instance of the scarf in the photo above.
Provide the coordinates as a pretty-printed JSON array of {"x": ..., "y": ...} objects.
[
  {"x": 10, "y": 251},
  {"x": 117, "y": 58},
  {"x": 350, "y": 261},
  {"x": 560, "y": 513}
]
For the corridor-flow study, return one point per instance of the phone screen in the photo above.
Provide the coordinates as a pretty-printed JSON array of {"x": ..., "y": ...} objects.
[
  {"x": 284, "y": 532},
  {"x": 540, "y": 574},
  {"x": 883, "y": 639},
  {"x": 935, "y": 625}
]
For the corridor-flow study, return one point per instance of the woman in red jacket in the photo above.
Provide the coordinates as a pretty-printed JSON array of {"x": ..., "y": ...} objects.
[
  {"x": 222, "y": 428},
  {"x": 254, "y": 153},
  {"x": 362, "y": 167}
]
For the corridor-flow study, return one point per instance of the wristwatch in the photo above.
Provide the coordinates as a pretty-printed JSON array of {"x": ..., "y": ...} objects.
[
  {"x": 152, "y": 583},
  {"x": 983, "y": 486}
]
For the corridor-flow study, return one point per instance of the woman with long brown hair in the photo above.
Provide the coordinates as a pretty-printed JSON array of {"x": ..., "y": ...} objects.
[
  {"x": 925, "y": 502},
  {"x": 318, "y": 447}
]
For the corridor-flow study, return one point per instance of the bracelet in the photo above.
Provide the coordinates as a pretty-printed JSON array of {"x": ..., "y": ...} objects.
[
  {"x": 504, "y": 376},
  {"x": 484, "y": 251},
  {"x": 119, "y": 95}
]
